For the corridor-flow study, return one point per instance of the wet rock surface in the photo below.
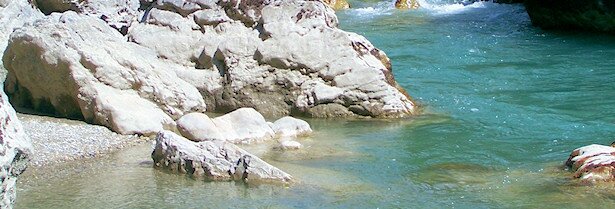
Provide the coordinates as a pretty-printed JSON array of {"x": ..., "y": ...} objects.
[
  {"x": 213, "y": 160},
  {"x": 593, "y": 163}
]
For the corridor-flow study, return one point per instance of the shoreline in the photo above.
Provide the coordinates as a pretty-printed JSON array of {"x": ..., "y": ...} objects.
[{"x": 57, "y": 141}]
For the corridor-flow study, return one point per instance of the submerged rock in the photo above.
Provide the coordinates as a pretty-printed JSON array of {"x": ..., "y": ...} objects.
[
  {"x": 404, "y": 4},
  {"x": 244, "y": 125},
  {"x": 213, "y": 160},
  {"x": 593, "y": 163},
  {"x": 15, "y": 149},
  {"x": 593, "y": 15},
  {"x": 288, "y": 144},
  {"x": 337, "y": 4}
]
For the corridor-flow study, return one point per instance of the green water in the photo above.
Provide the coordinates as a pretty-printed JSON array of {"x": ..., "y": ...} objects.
[{"x": 504, "y": 102}]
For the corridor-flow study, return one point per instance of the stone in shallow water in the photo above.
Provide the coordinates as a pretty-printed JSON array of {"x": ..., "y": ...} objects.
[
  {"x": 213, "y": 160},
  {"x": 593, "y": 163},
  {"x": 244, "y": 125},
  {"x": 290, "y": 145},
  {"x": 291, "y": 127}
]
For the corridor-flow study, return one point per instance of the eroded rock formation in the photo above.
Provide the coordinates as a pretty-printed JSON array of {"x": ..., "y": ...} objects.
[
  {"x": 280, "y": 57},
  {"x": 15, "y": 148},
  {"x": 593, "y": 163},
  {"x": 77, "y": 66},
  {"x": 213, "y": 160}
]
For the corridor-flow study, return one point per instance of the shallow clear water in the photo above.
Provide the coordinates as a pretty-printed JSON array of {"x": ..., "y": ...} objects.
[{"x": 504, "y": 102}]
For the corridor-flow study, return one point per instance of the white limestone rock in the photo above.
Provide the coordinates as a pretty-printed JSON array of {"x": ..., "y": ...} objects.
[
  {"x": 291, "y": 127},
  {"x": 276, "y": 56},
  {"x": 14, "y": 14},
  {"x": 199, "y": 127},
  {"x": 119, "y": 14},
  {"x": 244, "y": 125},
  {"x": 213, "y": 160},
  {"x": 15, "y": 149},
  {"x": 76, "y": 66}
]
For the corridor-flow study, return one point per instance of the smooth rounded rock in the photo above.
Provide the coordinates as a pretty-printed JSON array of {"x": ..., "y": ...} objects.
[
  {"x": 290, "y": 145},
  {"x": 291, "y": 127},
  {"x": 198, "y": 127}
]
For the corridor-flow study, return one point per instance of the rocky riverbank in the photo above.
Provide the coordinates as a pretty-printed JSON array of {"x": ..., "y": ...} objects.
[{"x": 57, "y": 140}]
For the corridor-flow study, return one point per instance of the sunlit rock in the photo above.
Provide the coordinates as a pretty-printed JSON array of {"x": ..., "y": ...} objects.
[
  {"x": 77, "y": 66},
  {"x": 244, "y": 125},
  {"x": 404, "y": 4},
  {"x": 213, "y": 160},
  {"x": 291, "y": 127},
  {"x": 593, "y": 163},
  {"x": 337, "y": 4}
]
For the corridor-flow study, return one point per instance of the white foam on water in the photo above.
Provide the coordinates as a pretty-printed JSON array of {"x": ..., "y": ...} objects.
[
  {"x": 450, "y": 9},
  {"x": 380, "y": 9}
]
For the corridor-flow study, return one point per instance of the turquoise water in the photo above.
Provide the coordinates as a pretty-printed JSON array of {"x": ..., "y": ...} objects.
[{"x": 504, "y": 104}]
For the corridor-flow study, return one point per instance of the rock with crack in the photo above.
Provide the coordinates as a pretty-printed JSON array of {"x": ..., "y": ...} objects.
[
  {"x": 244, "y": 125},
  {"x": 15, "y": 149},
  {"x": 213, "y": 160},
  {"x": 279, "y": 57},
  {"x": 76, "y": 66},
  {"x": 119, "y": 14},
  {"x": 593, "y": 163}
]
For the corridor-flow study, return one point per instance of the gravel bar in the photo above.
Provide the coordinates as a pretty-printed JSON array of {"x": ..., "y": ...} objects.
[{"x": 57, "y": 140}]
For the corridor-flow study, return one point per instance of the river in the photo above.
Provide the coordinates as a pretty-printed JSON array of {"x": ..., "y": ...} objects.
[{"x": 504, "y": 103}]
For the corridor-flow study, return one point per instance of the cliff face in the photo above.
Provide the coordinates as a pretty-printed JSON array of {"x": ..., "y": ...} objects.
[
  {"x": 136, "y": 66},
  {"x": 593, "y": 15}
]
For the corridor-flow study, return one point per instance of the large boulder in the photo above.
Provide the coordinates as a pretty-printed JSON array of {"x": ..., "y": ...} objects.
[
  {"x": 14, "y": 14},
  {"x": 275, "y": 56},
  {"x": 213, "y": 160},
  {"x": 15, "y": 149},
  {"x": 593, "y": 163},
  {"x": 280, "y": 57},
  {"x": 594, "y": 15},
  {"x": 77, "y": 66},
  {"x": 244, "y": 125}
]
